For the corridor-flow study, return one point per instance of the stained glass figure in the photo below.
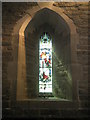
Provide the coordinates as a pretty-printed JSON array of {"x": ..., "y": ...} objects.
[{"x": 45, "y": 64}]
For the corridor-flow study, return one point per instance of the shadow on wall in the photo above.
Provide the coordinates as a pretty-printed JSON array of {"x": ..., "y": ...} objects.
[{"x": 47, "y": 20}]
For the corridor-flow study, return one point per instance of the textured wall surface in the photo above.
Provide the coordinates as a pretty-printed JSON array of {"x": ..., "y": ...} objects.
[
  {"x": 60, "y": 52},
  {"x": 78, "y": 12},
  {"x": 12, "y": 12}
]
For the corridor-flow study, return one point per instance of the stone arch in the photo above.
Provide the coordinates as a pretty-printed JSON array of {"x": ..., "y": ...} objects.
[
  {"x": 20, "y": 28},
  {"x": 49, "y": 21}
]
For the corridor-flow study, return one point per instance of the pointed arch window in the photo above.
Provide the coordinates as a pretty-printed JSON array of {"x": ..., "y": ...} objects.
[{"x": 45, "y": 64}]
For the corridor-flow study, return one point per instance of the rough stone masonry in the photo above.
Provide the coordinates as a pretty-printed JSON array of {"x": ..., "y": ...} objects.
[{"x": 79, "y": 13}]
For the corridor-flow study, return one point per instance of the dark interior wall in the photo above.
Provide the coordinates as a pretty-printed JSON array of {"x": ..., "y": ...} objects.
[
  {"x": 79, "y": 14},
  {"x": 11, "y": 13},
  {"x": 48, "y": 21}
]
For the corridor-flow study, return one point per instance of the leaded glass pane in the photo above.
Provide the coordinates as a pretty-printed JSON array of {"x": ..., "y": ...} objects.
[{"x": 45, "y": 64}]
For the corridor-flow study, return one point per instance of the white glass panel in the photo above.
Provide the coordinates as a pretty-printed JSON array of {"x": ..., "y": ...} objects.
[{"x": 45, "y": 64}]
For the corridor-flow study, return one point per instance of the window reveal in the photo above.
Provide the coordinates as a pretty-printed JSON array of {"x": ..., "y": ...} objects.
[{"x": 45, "y": 64}]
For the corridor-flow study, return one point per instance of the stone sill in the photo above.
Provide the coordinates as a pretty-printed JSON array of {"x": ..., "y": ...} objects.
[
  {"x": 47, "y": 99},
  {"x": 47, "y": 104}
]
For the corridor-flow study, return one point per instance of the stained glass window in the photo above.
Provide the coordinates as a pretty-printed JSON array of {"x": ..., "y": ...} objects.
[{"x": 45, "y": 64}]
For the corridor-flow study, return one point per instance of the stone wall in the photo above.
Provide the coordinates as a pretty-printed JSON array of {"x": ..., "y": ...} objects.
[
  {"x": 79, "y": 13},
  {"x": 11, "y": 13},
  {"x": 61, "y": 70}
]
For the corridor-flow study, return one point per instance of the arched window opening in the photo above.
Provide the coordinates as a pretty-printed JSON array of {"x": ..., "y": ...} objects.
[
  {"x": 47, "y": 76},
  {"x": 45, "y": 64}
]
